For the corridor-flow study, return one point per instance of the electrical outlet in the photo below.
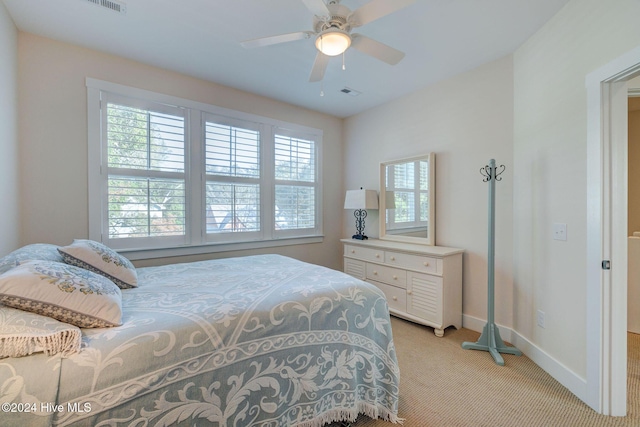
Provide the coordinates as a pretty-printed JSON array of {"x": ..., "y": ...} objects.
[
  {"x": 559, "y": 231},
  {"x": 541, "y": 318}
]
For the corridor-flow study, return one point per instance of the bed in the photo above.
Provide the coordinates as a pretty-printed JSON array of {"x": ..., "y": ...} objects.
[{"x": 253, "y": 341}]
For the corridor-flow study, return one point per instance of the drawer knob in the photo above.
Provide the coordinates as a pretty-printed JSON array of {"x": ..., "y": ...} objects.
[
  {"x": 395, "y": 298},
  {"x": 377, "y": 255},
  {"x": 375, "y": 273},
  {"x": 395, "y": 277},
  {"x": 426, "y": 264},
  {"x": 353, "y": 251},
  {"x": 409, "y": 293},
  {"x": 393, "y": 258}
]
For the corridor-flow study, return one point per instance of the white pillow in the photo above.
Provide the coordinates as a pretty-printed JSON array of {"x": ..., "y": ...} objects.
[
  {"x": 96, "y": 257},
  {"x": 69, "y": 294}
]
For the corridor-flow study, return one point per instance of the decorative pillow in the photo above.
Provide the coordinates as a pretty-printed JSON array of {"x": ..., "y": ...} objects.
[
  {"x": 100, "y": 259},
  {"x": 23, "y": 333},
  {"x": 35, "y": 251},
  {"x": 66, "y": 293}
]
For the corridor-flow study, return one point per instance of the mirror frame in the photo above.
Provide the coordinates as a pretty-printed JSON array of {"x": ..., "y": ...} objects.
[{"x": 431, "y": 229}]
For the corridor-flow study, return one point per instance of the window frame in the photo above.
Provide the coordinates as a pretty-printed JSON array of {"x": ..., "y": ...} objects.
[
  {"x": 128, "y": 243},
  {"x": 258, "y": 235},
  {"x": 416, "y": 191},
  {"x": 315, "y": 184},
  {"x": 197, "y": 240}
]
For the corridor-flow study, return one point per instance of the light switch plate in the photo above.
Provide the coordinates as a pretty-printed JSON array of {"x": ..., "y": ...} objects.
[
  {"x": 541, "y": 318},
  {"x": 559, "y": 231}
]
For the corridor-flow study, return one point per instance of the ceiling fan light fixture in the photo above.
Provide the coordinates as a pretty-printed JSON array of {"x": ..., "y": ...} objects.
[{"x": 333, "y": 42}]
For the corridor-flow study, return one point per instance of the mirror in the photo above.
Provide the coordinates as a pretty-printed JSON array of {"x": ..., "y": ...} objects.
[{"x": 407, "y": 200}]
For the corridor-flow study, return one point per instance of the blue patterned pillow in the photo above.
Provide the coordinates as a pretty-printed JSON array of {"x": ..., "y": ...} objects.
[
  {"x": 96, "y": 257},
  {"x": 35, "y": 251},
  {"x": 66, "y": 293}
]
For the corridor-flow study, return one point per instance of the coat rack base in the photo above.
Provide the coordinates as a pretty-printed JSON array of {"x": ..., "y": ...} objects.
[{"x": 491, "y": 341}]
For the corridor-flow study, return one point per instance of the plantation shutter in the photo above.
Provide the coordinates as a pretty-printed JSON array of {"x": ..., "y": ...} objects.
[
  {"x": 170, "y": 176},
  {"x": 232, "y": 167},
  {"x": 424, "y": 192},
  {"x": 409, "y": 184},
  {"x": 295, "y": 183},
  {"x": 146, "y": 184}
]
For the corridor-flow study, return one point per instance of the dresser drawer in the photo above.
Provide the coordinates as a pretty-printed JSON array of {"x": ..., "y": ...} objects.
[
  {"x": 388, "y": 275},
  {"x": 424, "y": 264},
  {"x": 365, "y": 254},
  {"x": 420, "y": 284},
  {"x": 396, "y": 297}
]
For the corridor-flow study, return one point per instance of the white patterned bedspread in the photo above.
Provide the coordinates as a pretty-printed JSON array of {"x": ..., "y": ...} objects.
[{"x": 253, "y": 341}]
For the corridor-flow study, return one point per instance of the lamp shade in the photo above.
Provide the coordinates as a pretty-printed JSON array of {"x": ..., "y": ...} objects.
[
  {"x": 361, "y": 199},
  {"x": 390, "y": 199},
  {"x": 333, "y": 42}
]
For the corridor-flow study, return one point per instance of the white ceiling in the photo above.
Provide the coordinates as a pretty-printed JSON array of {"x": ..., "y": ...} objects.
[{"x": 201, "y": 38}]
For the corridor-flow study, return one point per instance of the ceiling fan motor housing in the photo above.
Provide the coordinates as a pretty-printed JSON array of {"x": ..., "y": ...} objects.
[{"x": 338, "y": 19}]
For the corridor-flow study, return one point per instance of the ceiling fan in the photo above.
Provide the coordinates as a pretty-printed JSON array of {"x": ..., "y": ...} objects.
[{"x": 332, "y": 25}]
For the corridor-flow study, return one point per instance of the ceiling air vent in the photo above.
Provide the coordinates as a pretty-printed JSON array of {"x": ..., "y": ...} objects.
[
  {"x": 115, "y": 6},
  {"x": 350, "y": 92}
]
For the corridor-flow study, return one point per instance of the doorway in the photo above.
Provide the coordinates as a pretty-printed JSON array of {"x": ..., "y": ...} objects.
[
  {"x": 607, "y": 90},
  {"x": 633, "y": 243}
]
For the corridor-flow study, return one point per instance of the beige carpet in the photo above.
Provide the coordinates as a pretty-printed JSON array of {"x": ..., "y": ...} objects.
[{"x": 442, "y": 384}]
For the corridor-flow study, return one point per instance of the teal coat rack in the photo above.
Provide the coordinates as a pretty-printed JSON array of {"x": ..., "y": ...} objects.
[{"x": 490, "y": 338}]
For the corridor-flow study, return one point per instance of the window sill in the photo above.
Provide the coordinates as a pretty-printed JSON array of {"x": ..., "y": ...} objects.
[{"x": 140, "y": 254}]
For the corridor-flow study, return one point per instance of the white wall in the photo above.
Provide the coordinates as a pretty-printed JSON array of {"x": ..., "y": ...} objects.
[
  {"x": 9, "y": 213},
  {"x": 550, "y": 125},
  {"x": 633, "y": 169},
  {"x": 466, "y": 121},
  {"x": 53, "y": 138}
]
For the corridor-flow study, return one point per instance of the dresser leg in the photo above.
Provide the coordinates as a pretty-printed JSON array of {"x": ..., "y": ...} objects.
[{"x": 439, "y": 332}]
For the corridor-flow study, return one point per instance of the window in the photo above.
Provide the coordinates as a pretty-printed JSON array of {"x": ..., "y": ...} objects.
[
  {"x": 233, "y": 178},
  {"x": 409, "y": 184},
  {"x": 295, "y": 183},
  {"x": 145, "y": 162},
  {"x": 167, "y": 173}
]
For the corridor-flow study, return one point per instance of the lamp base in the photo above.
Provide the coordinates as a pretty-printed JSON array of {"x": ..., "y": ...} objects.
[{"x": 360, "y": 215}]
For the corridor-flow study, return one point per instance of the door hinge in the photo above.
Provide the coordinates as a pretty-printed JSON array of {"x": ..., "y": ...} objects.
[{"x": 606, "y": 264}]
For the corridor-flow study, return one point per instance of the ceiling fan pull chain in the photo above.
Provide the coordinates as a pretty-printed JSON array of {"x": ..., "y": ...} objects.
[
  {"x": 321, "y": 88},
  {"x": 343, "y": 67}
]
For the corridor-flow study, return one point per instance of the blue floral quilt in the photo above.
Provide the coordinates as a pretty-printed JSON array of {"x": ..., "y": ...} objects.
[{"x": 254, "y": 341}]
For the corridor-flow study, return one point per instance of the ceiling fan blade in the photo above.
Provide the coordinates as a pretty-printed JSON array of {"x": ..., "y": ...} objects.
[
  {"x": 319, "y": 67},
  {"x": 376, "y": 9},
  {"x": 282, "y": 38},
  {"x": 317, "y": 7},
  {"x": 376, "y": 49}
]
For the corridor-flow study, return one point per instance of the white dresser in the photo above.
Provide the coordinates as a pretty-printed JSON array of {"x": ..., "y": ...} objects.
[{"x": 422, "y": 283}]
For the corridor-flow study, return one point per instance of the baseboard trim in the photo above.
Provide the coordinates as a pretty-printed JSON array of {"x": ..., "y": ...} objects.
[
  {"x": 569, "y": 379},
  {"x": 476, "y": 324}
]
